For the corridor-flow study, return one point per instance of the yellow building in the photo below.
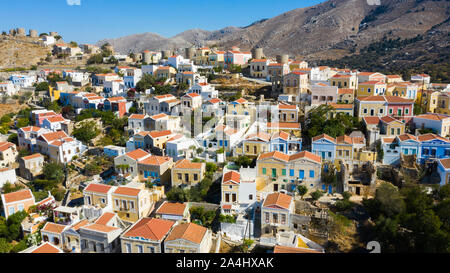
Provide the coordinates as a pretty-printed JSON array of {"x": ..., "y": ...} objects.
[
  {"x": 131, "y": 204},
  {"x": 371, "y": 88},
  {"x": 98, "y": 195},
  {"x": 280, "y": 169},
  {"x": 287, "y": 113},
  {"x": 54, "y": 94},
  {"x": 255, "y": 144},
  {"x": 344, "y": 81},
  {"x": 346, "y": 95},
  {"x": 187, "y": 173},
  {"x": 391, "y": 126}
]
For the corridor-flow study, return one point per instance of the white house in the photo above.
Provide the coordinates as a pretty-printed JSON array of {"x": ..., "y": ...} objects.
[
  {"x": 113, "y": 88},
  {"x": 205, "y": 90},
  {"x": 22, "y": 81},
  {"x": 153, "y": 107},
  {"x": 149, "y": 69},
  {"x": 177, "y": 146},
  {"x": 136, "y": 123},
  {"x": 8, "y": 153},
  {"x": 54, "y": 123},
  {"x": 7, "y": 176},
  {"x": 7, "y": 88},
  {"x": 48, "y": 40}
]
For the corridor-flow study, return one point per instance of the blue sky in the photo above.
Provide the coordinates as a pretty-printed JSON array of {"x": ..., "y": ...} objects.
[{"x": 94, "y": 20}]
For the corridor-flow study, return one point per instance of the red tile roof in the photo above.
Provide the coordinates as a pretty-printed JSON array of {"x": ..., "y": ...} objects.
[
  {"x": 156, "y": 134},
  {"x": 187, "y": 231},
  {"x": 172, "y": 208},
  {"x": 327, "y": 137},
  {"x": 127, "y": 191},
  {"x": 155, "y": 160},
  {"x": 18, "y": 196},
  {"x": 231, "y": 176},
  {"x": 97, "y": 188},
  {"x": 186, "y": 164},
  {"x": 137, "y": 116},
  {"x": 137, "y": 154},
  {"x": 105, "y": 218},
  {"x": 150, "y": 228},
  {"x": 278, "y": 200},
  {"x": 53, "y": 228},
  {"x": 46, "y": 248}
]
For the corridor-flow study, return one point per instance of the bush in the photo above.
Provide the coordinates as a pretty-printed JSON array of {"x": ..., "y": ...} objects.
[
  {"x": 316, "y": 195},
  {"x": 58, "y": 194}
]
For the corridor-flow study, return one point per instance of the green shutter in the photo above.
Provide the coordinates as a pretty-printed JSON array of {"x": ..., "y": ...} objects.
[
  {"x": 264, "y": 170},
  {"x": 283, "y": 172}
]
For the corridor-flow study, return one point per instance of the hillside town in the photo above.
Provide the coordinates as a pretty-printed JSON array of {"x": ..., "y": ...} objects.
[{"x": 215, "y": 150}]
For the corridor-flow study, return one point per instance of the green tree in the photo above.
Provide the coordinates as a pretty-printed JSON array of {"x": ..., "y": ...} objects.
[
  {"x": 302, "y": 190},
  {"x": 13, "y": 138},
  {"x": 316, "y": 195},
  {"x": 54, "y": 171},
  {"x": 43, "y": 86},
  {"x": 86, "y": 132}
]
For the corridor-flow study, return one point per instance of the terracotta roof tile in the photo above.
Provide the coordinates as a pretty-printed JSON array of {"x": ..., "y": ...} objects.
[
  {"x": 186, "y": 164},
  {"x": 105, "y": 218},
  {"x": 155, "y": 160},
  {"x": 47, "y": 248},
  {"x": 137, "y": 154},
  {"x": 172, "y": 208},
  {"x": 53, "y": 228},
  {"x": 18, "y": 196},
  {"x": 278, "y": 200},
  {"x": 231, "y": 176},
  {"x": 127, "y": 191},
  {"x": 98, "y": 188},
  {"x": 187, "y": 231},
  {"x": 150, "y": 228}
]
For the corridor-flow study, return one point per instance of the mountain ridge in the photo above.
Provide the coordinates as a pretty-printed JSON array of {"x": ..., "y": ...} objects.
[{"x": 317, "y": 32}]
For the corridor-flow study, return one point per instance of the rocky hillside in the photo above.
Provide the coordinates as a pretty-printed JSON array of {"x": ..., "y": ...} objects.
[
  {"x": 332, "y": 29},
  {"x": 428, "y": 53},
  {"x": 20, "y": 52}
]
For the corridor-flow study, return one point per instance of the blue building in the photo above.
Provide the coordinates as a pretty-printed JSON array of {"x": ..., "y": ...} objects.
[
  {"x": 325, "y": 147},
  {"x": 285, "y": 143},
  {"x": 428, "y": 147}
]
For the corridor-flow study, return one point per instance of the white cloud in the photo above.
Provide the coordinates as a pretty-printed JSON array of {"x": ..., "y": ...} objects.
[{"x": 74, "y": 2}]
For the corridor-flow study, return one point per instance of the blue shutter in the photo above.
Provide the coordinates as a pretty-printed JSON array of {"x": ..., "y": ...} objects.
[
  {"x": 291, "y": 172},
  {"x": 301, "y": 174},
  {"x": 311, "y": 174}
]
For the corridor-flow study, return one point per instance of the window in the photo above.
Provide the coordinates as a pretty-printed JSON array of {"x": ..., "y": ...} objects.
[
  {"x": 283, "y": 219},
  {"x": 180, "y": 176},
  {"x": 381, "y": 111},
  {"x": 264, "y": 170},
  {"x": 365, "y": 110},
  {"x": 45, "y": 238},
  {"x": 266, "y": 217},
  {"x": 291, "y": 172},
  {"x": 250, "y": 197},
  {"x": 20, "y": 207},
  {"x": 391, "y": 110},
  {"x": 103, "y": 200},
  {"x": 311, "y": 173},
  {"x": 195, "y": 177},
  {"x": 275, "y": 217},
  {"x": 406, "y": 111},
  {"x": 283, "y": 172},
  {"x": 128, "y": 248},
  {"x": 151, "y": 249},
  {"x": 140, "y": 249}
]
